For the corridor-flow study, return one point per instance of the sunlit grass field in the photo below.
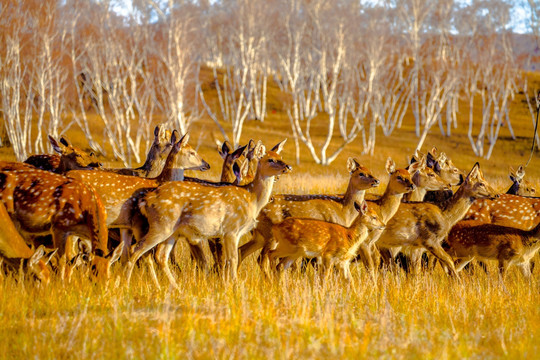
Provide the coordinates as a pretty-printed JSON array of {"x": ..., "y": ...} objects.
[{"x": 393, "y": 316}]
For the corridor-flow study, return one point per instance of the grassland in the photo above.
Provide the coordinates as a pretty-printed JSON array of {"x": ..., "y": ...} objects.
[{"x": 393, "y": 316}]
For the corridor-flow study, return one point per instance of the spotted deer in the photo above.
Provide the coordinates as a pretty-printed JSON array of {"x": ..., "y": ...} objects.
[
  {"x": 471, "y": 239},
  {"x": 120, "y": 193},
  {"x": 339, "y": 210},
  {"x": 333, "y": 244},
  {"x": 16, "y": 253},
  {"x": 40, "y": 203},
  {"x": 199, "y": 212},
  {"x": 400, "y": 183},
  {"x": 520, "y": 186},
  {"x": 155, "y": 158},
  {"x": 425, "y": 225},
  {"x": 70, "y": 158}
]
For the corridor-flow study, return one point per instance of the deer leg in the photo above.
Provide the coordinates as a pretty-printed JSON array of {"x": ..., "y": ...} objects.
[
  {"x": 367, "y": 255},
  {"x": 525, "y": 269},
  {"x": 443, "y": 256},
  {"x": 216, "y": 248},
  {"x": 149, "y": 258},
  {"x": 197, "y": 252},
  {"x": 230, "y": 256},
  {"x": 257, "y": 241},
  {"x": 416, "y": 260},
  {"x": 156, "y": 234},
  {"x": 162, "y": 258},
  {"x": 125, "y": 238},
  {"x": 59, "y": 242},
  {"x": 462, "y": 262}
]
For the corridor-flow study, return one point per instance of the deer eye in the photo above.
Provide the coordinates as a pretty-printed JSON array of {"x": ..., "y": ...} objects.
[
  {"x": 431, "y": 175},
  {"x": 271, "y": 161},
  {"x": 400, "y": 178}
]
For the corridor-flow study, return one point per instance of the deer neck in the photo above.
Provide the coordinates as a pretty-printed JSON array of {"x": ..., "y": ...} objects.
[
  {"x": 153, "y": 165},
  {"x": 457, "y": 206},
  {"x": 351, "y": 196},
  {"x": 417, "y": 194},
  {"x": 389, "y": 204},
  {"x": 261, "y": 187},
  {"x": 169, "y": 172}
]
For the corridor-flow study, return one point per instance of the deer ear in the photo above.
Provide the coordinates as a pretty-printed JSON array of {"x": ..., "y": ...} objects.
[
  {"x": 50, "y": 256},
  {"x": 174, "y": 136},
  {"x": 225, "y": 149},
  {"x": 279, "y": 147},
  {"x": 156, "y": 132},
  {"x": 434, "y": 151},
  {"x": 351, "y": 164},
  {"x": 38, "y": 254},
  {"x": 361, "y": 208},
  {"x": 64, "y": 141},
  {"x": 251, "y": 145},
  {"x": 114, "y": 255},
  {"x": 390, "y": 166},
  {"x": 414, "y": 167},
  {"x": 474, "y": 172},
  {"x": 260, "y": 150},
  {"x": 237, "y": 172},
  {"x": 238, "y": 152},
  {"x": 184, "y": 140},
  {"x": 55, "y": 145},
  {"x": 520, "y": 173}
]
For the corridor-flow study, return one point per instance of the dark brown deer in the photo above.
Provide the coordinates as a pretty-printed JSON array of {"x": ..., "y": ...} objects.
[
  {"x": 16, "y": 253},
  {"x": 40, "y": 203},
  {"x": 470, "y": 240}
]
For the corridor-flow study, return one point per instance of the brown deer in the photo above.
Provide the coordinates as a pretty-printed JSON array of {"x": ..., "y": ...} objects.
[
  {"x": 234, "y": 163},
  {"x": 15, "y": 252},
  {"x": 333, "y": 244},
  {"x": 70, "y": 158},
  {"x": 425, "y": 225},
  {"x": 470, "y": 240},
  {"x": 155, "y": 158},
  {"x": 520, "y": 186},
  {"x": 339, "y": 210},
  {"x": 399, "y": 183},
  {"x": 199, "y": 212},
  {"x": 445, "y": 168},
  {"x": 40, "y": 203},
  {"x": 120, "y": 193}
]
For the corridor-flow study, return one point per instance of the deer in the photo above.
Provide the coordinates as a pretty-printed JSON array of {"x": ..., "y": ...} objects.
[
  {"x": 16, "y": 253},
  {"x": 339, "y": 210},
  {"x": 70, "y": 158},
  {"x": 520, "y": 186},
  {"x": 120, "y": 193},
  {"x": 400, "y": 183},
  {"x": 445, "y": 168},
  {"x": 40, "y": 202},
  {"x": 471, "y": 239},
  {"x": 333, "y": 244},
  {"x": 200, "y": 212},
  {"x": 425, "y": 225},
  {"x": 155, "y": 158}
]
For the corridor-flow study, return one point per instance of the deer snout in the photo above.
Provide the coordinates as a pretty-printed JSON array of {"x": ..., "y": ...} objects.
[
  {"x": 205, "y": 166},
  {"x": 288, "y": 168},
  {"x": 375, "y": 182},
  {"x": 461, "y": 179}
]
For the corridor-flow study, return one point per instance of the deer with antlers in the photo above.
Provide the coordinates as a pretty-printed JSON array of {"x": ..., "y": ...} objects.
[
  {"x": 16, "y": 253},
  {"x": 425, "y": 225},
  {"x": 40, "y": 202},
  {"x": 70, "y": 158},
  {"x": 333, "y": 244},
  {"x": 199, "y": 212},
  {"x": 471, "y": 239},
  {"x": 339, "y": 210}
]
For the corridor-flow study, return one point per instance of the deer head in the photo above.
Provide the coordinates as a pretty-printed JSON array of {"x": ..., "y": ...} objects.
[
  {"x": 37, "y": 265},
  {"x": 187, "y": 156},
  {"x": 425, "y": 177},
  {"x": 369, "y": 217},
  {"x": 520, "y": 185},
  {"x": 444, "y": 167},
  {"x": 230, "y": 159},
  {"x": 100, "y": 264},
  {"x": 400, "y": 179},
  {"x": 73, "y": 158},
  {"x": 361, "y": 177},
  {"x": 476, "y": 187}
]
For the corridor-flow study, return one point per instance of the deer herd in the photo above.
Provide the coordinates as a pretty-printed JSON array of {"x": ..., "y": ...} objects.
[{"x": 59, "y": 212}]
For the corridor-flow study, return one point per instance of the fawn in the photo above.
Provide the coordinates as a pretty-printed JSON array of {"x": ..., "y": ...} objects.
[
  {"x": 333, "y": 244},
  {"x": 334, "y": 209},
  {"x": 472, "y": 239}
]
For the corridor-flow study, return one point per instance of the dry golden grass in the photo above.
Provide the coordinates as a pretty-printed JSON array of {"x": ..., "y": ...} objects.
[{"x": 395, "y": 316}]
